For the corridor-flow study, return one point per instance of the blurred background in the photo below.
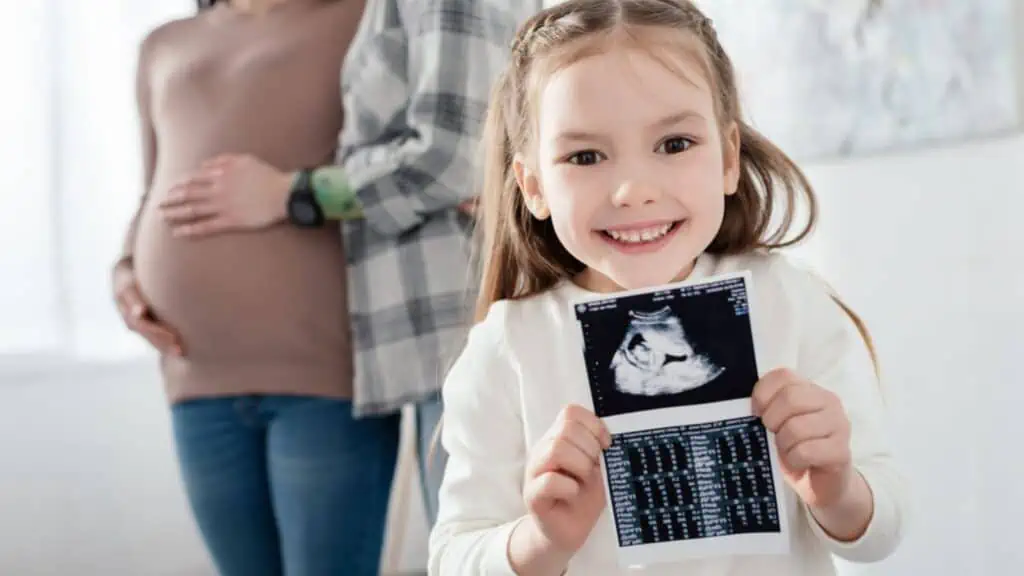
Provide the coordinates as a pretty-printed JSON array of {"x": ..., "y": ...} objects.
[{"x": 906, "y": 117}]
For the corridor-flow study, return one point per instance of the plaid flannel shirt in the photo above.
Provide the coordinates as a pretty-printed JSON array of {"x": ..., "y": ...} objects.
[{"x": 415, "y": 85}]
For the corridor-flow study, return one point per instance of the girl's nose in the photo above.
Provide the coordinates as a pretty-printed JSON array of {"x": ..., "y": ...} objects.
[{"x": 635, "y": 193}]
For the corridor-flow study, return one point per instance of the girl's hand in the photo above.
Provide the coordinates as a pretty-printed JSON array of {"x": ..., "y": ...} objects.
[
  {"x": 136, "y": 314},
  {"x": 564, "y": 489},
  {"x": 812, "y": 434},
  {"x": 227, "y": 193}
]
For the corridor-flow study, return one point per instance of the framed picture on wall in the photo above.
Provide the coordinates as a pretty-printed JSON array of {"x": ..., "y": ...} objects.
[{"x": 836, "y": 78}]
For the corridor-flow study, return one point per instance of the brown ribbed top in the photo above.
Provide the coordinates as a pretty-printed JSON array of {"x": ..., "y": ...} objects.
[{"x": 260, "y": 312}]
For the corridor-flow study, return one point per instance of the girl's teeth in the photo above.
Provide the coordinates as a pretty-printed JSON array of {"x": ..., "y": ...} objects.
[{"x": 636, "y": 236}]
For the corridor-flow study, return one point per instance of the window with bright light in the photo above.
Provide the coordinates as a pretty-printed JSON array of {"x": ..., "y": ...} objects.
[{"x": 71, "y": 165}]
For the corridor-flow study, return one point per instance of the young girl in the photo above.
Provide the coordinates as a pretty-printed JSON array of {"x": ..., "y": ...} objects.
[{"x": 618, "y": 158}]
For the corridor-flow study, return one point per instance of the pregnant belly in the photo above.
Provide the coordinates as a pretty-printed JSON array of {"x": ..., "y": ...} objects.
[{"x": 274, "y": 293}]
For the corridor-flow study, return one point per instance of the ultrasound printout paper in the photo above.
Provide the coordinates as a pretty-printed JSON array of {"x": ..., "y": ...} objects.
[{"x": 691, "y": 472}]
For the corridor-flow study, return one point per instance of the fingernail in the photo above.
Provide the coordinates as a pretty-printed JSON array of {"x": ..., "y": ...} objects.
[{"x": 138, "y": 310}]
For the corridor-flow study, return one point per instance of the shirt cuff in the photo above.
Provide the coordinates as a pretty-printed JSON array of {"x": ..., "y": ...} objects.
[
  {"x": 883, "y": 530},
  {"x": 495, "y": 561},
  {"x": 337, "y": 198},
  {"x": 375, "y": 181}
]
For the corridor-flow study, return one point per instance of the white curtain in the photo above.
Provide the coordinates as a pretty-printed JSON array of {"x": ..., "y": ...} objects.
[{"x": 71, "y": 165}]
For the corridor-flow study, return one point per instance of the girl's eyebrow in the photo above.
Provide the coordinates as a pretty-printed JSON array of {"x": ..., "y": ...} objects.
[
  {"x": 670, "y": 120},
  {"x": 677, "y": 118},
  {"x": 578, "y": 136}
]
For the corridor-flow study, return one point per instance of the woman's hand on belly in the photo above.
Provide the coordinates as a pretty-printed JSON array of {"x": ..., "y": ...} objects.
[
  {"x": 137, "y": 314},
  {"x": 228, "y": 193}
]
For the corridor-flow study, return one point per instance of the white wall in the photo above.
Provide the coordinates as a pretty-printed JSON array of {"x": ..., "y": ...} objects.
[{"x": 926, "y": 246}]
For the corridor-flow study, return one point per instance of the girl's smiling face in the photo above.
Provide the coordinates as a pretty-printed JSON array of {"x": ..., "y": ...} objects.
[{"x": 630, "y": 165}]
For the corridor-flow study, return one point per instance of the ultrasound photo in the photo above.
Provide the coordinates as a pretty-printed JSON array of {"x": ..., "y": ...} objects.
[
  {"x": 655, "y": 357},
  {"x": 680, "y": 346}
]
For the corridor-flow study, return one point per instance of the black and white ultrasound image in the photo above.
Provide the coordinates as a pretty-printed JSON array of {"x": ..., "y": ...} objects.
[{"x": 679, "y": 347}]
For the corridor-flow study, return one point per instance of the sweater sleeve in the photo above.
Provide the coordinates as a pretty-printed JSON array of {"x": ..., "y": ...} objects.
[
  {"x": 481, "y": 495},
  {"x": 834, "y": 355}
]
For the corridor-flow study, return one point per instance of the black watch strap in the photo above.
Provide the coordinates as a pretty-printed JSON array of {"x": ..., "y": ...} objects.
[
  {"x": 303, "y": 209},
  {"x": 304, "y": 181}
]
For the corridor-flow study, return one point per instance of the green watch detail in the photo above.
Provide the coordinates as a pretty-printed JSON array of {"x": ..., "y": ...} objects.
[{"x": 336, "y": 198}]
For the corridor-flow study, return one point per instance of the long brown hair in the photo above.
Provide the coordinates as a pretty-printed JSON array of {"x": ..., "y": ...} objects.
[{"x": 521, "y": 255}]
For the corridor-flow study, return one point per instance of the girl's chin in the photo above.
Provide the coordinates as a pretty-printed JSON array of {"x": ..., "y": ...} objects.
[{"x": 633, "y": 276}]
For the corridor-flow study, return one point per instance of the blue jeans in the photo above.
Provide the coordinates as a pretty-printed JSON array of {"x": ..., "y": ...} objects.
[{"x": 292, "y": 485}]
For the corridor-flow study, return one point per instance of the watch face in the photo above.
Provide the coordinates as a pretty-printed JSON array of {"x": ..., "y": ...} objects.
[{"x": 304, "y": 213}]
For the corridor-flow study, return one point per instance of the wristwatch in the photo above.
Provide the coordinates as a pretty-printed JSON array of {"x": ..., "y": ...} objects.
[{"x": 303, "y": 209}]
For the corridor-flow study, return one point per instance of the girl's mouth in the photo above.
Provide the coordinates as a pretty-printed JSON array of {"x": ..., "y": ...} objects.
[{"x": 641, "y": 238}]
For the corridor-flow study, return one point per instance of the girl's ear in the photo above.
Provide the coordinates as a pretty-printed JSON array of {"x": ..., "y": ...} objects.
[
  {"x": 529, "y": 186},
  {"x": 731, "y": 149}
]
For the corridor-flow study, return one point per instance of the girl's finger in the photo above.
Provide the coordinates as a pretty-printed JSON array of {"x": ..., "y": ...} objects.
[
  {"x": 576, "y": 413},
  {"x": 767, "y": 387},
  {"x": 817, "y": 453},
  {"x": 551, "y": 487},
  {"x": 792, "y": 400},
  {"x": 566, "y": 458},
  {"x": 802, "y": 428},
  {"x": 583, "y": 439}
]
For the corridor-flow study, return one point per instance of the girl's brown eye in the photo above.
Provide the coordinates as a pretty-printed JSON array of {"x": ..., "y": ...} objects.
[
  {"x": 675, "y": 145},
  {"x": 585, "y": 158}
]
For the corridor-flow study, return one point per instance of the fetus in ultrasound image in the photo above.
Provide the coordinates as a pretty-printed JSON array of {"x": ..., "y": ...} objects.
[
  {"x": 674, "y": 347},
  {"x": 655, "y": 357}
]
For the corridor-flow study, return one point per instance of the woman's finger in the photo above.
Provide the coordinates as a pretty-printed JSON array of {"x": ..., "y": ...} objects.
[
  {"x": 196, "y": 188},
  {"x": 130, "y": 303},
  {"x": 204, "y": 227},
  {"x": 161, "y": 337},
  {"x": 218, "y": 161},
  {"x": 189, "y": 212}
]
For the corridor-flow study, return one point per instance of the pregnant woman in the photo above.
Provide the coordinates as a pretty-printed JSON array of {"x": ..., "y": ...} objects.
[{"x": 252, "y": 327}]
